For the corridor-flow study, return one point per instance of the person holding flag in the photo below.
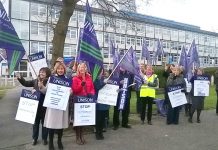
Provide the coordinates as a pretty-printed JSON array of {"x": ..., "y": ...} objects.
[
  {"x": 147, "y": 93},
  {"x": 123, "y": 99}
]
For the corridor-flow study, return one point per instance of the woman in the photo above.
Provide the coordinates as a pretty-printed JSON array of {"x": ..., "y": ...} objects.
[
  {"x": 101, "y": 109},
  {"x": 175, "y": 78},
  {"x": 44, "y": 74},
  {"x": 57, "y": 120},
  {"x": 197, "y": 101},
  {"x": 82, "y": 86},
  {"x": 147, "y": 93}
]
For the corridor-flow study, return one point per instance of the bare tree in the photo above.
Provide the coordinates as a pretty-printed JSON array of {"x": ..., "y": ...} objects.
[{"x": 108, "y": 8}]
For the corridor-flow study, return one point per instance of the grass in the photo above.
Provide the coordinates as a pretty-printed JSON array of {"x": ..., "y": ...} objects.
[
  {"x": 210, "y": 103},
  {"x": 3, "y": 91}
]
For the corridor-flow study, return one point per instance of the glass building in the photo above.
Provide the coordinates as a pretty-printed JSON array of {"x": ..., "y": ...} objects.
[{"x": 34, "y": 22}]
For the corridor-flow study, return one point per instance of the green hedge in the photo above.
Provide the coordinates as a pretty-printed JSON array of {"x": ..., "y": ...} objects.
[
  {"x": 159, "y": 72},
  {"x": 210, "y": 71}
]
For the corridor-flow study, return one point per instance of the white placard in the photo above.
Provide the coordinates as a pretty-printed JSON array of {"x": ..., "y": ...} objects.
[
  {"x": 27, "y": 110},
  {"x": 177, "y": 98},
  {"x": 201, "y": 87},
  {"x": 37, "y": 62},
  {"x": 84, "y": 114},
  {"x": 108, "y": 95},
  {"x": 57, "y": 96}
]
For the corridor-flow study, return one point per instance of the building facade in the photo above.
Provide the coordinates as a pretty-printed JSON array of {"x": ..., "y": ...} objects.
[{"x": 34, "y": 22}]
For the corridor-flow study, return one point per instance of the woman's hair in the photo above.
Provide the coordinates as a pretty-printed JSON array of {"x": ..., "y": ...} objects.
[
  {"x": 57, "y": 64},
  {"x": 47, "y": 71},
  {"x": 59, "y": 59},
  {"x": 78, "y": 67}
]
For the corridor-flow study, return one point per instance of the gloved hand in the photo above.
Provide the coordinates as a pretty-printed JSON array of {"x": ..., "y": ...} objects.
[
  {"x": 174, "y": 77},
  {"x": 183, "y": 90},
  {"x": 83, "y": 83}
]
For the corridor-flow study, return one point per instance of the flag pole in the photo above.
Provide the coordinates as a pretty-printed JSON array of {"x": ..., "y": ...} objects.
[
  {"x": 77, "y": 45},
  {"x": 31, "y": 65},
  {"x": 118, "y": 64},
  {"x": 109, "y": 56}
]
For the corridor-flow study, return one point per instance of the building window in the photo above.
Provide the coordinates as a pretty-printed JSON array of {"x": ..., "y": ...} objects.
[
  {"x": 22, "y": 28},
  {"x": 20, "y": 9},
  {"x": 150, "y": 31},
  {"x": 182, "y": 36},
  {"x": 139, "y": 41},
  {"x": 37, "y": 47},
  {"x": 38, "y": 28},
  {"x": 166, "y": 34},
  {"x": 158, "y": 32},
  {"x": 72, "y": 33}
]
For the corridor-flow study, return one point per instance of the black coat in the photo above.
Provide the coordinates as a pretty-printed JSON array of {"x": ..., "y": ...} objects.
[{"x": 34, "y": 83}]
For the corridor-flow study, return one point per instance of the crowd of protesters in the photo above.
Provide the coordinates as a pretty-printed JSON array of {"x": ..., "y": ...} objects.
[{"x": 55, "y": 121}]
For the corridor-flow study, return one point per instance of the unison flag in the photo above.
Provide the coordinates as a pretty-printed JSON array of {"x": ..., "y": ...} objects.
[
  {"x": 89, "y": 47},
  {"x": 145, "y": 52},
  {"x": 183, "y": 59},
  {"x": 193, "y": 53},
  {"x": 160, "y": 51},
  {"x": 10, "y": 41}
]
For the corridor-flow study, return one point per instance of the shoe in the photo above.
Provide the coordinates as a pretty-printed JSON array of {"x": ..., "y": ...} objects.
[
  {"x": 198, "y": 121},
  {"x": 127, "y": 126},
  {"x": 190, "y": 120},
  {"x": 143, "y": 122},
  {"x": 60, "y": 145},
  {"x": 34, "y": 142},
  {"x": 45, "y": 142},
  {"x": 149, "y": 123},
  {"x": 115, "y": 127},
  {"x": 99, "y": 136}
]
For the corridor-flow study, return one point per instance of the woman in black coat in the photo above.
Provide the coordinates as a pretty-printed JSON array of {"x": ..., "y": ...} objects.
[{"x": 42, "y": 79}]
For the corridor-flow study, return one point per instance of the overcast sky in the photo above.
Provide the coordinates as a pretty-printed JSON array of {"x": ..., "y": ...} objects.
[{"x": 203, "y": 13}]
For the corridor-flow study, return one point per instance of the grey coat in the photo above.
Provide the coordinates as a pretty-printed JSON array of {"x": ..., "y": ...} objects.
[{"x": 172, "y": 80}]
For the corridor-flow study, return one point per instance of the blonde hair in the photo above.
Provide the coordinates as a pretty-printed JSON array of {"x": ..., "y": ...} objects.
[
  {"x": 78, "y": 67},
  {"x": 57, "y": 64}
]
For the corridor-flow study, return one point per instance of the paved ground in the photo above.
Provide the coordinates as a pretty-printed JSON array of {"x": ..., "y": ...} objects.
[{"x": 159, "y": 136}]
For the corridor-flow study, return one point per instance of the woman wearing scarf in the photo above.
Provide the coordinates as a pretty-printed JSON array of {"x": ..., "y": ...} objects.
[{"x": 147, "y": 93}]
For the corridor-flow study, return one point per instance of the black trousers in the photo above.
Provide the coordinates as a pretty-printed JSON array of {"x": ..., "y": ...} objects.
[
  {"x": 173, "y": 115},
  {"x": 51, "y": 135},
  {"x": 217, "y": 102},
  {"x": 100, "y": 120},
  {"x": 145, "y": 101},
  {"x": 39, "y": 118},
  {"x": 125, "y": 114},
  {"x": 138, "y": 103}
]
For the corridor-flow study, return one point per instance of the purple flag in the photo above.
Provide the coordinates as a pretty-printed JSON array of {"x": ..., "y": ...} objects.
[
  {"x": 160, "y": 51},
  {"x": 193, "y": 53},
  {"x": 116, "y": 59},
  {"x": 145, "y": 52},
  {"x": 89, "y": 47},
  {"x": 127, "y": 62},
  {"x": 137, "y": 78},
  {"x": 183, "y": 59},
  {"x": 10, "y": 41},
  {"x": 112, "y": 48}
]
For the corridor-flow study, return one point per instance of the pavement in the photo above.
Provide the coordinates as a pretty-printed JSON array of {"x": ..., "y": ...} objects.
[{"x": 15, "y": 135}]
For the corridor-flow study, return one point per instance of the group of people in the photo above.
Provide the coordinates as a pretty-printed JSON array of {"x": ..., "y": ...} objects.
[{"x": 54, "y": 121}]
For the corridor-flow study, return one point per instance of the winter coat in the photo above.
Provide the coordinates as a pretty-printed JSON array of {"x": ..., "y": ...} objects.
[
  {"x": 34, "y": 83},
  {"x": 87, "y": 89},
  {"x": 57, "y": 119}
]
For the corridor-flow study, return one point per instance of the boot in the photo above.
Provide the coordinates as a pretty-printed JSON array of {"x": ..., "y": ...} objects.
[
  {"x": 51, "y": 137},
  {"x": 60, "y": 134}
]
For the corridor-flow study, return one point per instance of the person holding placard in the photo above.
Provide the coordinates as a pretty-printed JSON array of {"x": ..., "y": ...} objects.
[
  {"x": 175, "y": 78},
  {"x": 56, "y": 120},
  {"x": 82, "y": 86},
  {"x": 147, "y": 93},
  {"x": 101, "y": 109},
  {"x": 42, "y": 79},
  {"x": 198, "y": 100}
]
